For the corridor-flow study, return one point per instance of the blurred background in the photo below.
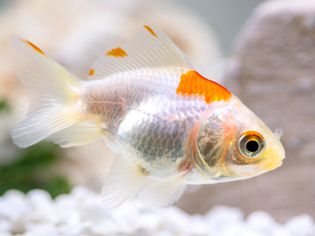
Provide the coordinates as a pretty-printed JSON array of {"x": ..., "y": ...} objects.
[{"x": 263, "y": 51}]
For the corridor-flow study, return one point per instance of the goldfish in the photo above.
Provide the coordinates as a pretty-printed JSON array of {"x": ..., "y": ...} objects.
[{"x": 168, "y": 126}]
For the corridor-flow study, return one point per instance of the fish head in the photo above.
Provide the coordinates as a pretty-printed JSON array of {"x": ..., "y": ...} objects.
[{"x": 233, "y": 144}]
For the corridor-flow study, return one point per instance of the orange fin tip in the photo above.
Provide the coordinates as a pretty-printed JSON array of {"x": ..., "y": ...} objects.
[
  {"x": 37, "y": 49},
  {"x": 150, "y": 30},
  {"x": 194, "y": 84},
  {"x": 116, "y": 52},
  {"x": 91, "y": 72}
]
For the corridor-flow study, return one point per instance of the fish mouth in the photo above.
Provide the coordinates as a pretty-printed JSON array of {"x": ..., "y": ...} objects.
[
  {"x": 273, "y": 158},
  {"x": 272, "y": 165}
]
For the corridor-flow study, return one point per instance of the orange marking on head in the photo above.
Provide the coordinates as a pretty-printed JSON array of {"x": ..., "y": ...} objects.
[
  {"x": 151, "y": 31},
  {"x": 91, "y": 72},
  {"x": 116, "y": 52},
  {"x": 194, "y": 84},
  {"x": 34, "y": 46}
]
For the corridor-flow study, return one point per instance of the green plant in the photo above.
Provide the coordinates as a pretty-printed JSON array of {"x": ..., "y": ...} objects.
[
  {"x": 31, "y": 170},
  {"x": 4, "y": 106},
  {"x": 32, "y": 167}
]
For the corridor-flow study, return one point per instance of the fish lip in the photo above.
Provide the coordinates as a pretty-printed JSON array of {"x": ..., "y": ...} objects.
[{"x": 274, "y": 165}]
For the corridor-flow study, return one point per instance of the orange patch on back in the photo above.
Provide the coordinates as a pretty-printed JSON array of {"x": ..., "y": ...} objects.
[
  {"x": 116, "y": 52},
  {"x": 194, "y": 84},
  {"x": 34, "y": 46},
  {"x": 151, "y": 31},
  {"x": 91, "y": 72}
]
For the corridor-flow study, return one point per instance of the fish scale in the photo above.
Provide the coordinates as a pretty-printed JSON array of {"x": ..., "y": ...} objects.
[{"x": 157, "y": 134}]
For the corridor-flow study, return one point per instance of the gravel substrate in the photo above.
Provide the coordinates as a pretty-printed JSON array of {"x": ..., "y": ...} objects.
[{"x": 82, "y": 213}]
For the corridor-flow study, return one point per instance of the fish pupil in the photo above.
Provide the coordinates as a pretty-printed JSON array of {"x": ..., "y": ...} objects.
[{"x": 252, "y": 146}]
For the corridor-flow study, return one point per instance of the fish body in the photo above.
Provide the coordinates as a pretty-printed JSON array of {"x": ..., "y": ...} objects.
[
  {"x": 141, "y": 110},
  {"x": 168, "y": 125}
]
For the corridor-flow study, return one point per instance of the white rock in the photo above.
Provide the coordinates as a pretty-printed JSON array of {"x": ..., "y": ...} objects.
[
  {"x": 174, "y": 218},
  {"x": 5, "y": 226},
  {"x": 164, "y": 233},
  {"x": 82, "y": 214},
  {"x": 196, "y": 226},
  {"x": 42, "y": 229},
  {"x": 261, "y": 222},
  {"x": 301, "y": 226},
  {"x": 221, "y": 216},
  {"x": 13, "y": 206},
  {"x": 66, "y": 209},
  {"x": 94, "y": 211},
  {"x": 236, "y": 229},
  {"x": 74, "y": 229},
  {"x": 150, "y": 222},
  {"x": 4, "y": 233},
  {"x": 43, "y": 209}
]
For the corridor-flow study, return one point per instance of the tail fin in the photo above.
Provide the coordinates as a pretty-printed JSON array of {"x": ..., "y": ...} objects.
[{"x": 53, "y": 91}]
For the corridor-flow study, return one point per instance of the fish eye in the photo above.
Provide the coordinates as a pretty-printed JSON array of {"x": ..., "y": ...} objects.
[{"x": 251, "y": 144}]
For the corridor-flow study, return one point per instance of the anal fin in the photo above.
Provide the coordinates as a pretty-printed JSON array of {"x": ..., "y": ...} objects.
[
  {"x": 123, "y": 183},
  {"x": 162, "y": 192},
  {"x": 128, "y": 181}
]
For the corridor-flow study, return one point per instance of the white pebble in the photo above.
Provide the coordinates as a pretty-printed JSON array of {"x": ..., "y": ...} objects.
[
  {"x": 5, "y": 226},
  {"x": 301, "y": 226},
  {"x": 5, "y": 233},
  {"x": 42, "y": 229},
  {"x": 43, "y": 209},
  {"x": 14, "y": 200},
  {"x": 262, "y": 222},
  {"x": 82, "y": 213},
  {"x": 221, "y": 216}
]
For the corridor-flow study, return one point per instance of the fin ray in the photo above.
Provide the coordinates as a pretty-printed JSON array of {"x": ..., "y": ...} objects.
[
  {"x": 148, "y": 49},
  {"x": 81, "y": 133},
  {"x": 41, "y": 124},
  {"x": 127, "y": 181},
  {"x": 42, "y": 77},
  {"x": 162, "y": 192},
  {"x": 122, "y": 184},
  {"x": 54, "y": 96}
]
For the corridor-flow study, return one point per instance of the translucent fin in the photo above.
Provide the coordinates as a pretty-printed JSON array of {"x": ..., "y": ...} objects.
[
  {"x": 122, "y": 184},
  {"x": 162, "y": 192},
  {"x": 41, "y": 124},
  {"x": 41, "y": 77},
  {"x": 54, "y": 94},
  {"x": 79, "y": 134},
  {"x": 128, "y": 181},
  {"x": 148, "y": 49}
]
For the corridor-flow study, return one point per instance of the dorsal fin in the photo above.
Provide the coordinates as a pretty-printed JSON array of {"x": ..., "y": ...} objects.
[{"x": 148, "y": 49}]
